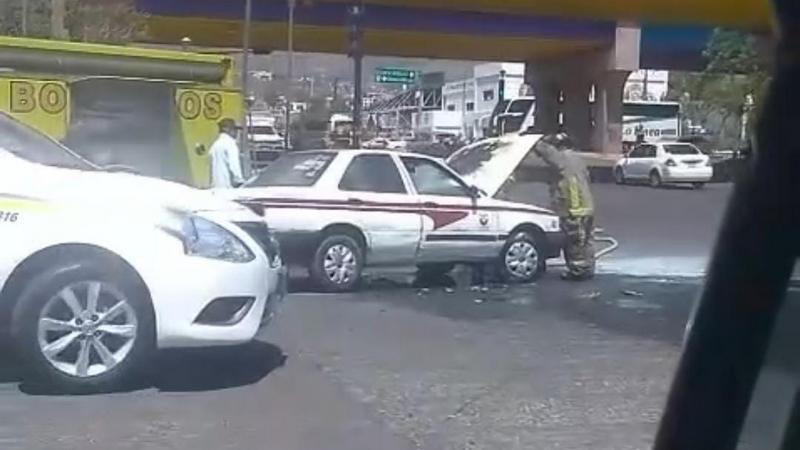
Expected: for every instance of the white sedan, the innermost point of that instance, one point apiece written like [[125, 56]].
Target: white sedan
[[100, 269], [336, 212], [664, 162]]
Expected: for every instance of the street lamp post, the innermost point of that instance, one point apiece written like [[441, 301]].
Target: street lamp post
[[356, 51], [289, 74]]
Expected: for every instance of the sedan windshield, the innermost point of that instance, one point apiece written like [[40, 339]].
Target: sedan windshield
[[298, 170], [29, 145], [262, 130]]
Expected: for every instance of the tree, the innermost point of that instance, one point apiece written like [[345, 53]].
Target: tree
[[85, 20], [105, 20], [732, 83], [36, 22]]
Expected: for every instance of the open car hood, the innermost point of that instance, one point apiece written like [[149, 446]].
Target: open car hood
[[490, 162]]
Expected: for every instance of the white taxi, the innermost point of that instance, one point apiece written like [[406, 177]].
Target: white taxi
[[99, 269], [336, 212]]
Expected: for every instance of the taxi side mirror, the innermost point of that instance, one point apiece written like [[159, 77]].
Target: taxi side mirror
[[476, 192]]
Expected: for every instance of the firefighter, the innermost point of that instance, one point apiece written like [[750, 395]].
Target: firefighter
[[572, 201]]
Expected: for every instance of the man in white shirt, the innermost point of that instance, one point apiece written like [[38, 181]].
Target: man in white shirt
[[226, 168]]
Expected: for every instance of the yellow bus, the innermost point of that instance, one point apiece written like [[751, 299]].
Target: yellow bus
[[151, 110]]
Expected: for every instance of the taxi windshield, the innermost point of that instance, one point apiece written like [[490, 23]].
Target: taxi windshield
[[297, 170], [28, 144]]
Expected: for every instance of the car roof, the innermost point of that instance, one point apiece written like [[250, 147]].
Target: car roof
[[361, 151], [674, 143]]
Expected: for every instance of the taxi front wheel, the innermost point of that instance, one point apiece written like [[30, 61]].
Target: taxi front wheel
[[338, 263], [84, 327], [522, 260]]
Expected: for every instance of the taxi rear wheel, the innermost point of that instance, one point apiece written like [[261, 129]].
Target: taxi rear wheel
[[82, 327], [338, 263], [522, 260], [655, 179]]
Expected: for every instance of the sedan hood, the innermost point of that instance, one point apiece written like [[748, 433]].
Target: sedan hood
[[489, 163], [104, 189]]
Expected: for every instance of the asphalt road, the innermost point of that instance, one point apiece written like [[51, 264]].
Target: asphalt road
[[667, 231], [397, 366]]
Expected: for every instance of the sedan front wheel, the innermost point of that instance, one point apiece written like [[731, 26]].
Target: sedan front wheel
[[522, 260], [84, 328]]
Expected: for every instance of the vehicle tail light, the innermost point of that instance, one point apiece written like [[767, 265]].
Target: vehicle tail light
[[671, 163]]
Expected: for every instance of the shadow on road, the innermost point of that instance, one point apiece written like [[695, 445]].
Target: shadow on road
[[184, 370], [299, 282], [211, 369]]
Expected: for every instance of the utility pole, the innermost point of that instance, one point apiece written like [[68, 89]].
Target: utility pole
[[420, 96], [464, 106], [244, 137], [356, 51], [501, 87], [58, 14], [25, 17], [289, 75]]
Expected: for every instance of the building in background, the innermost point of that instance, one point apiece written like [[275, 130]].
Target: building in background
[[465, 107], [473, 99]]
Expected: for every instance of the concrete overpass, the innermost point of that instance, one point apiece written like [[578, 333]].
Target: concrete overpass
[[572, 47]]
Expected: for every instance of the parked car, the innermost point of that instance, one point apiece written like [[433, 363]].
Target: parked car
[[662, 163], [336, 212], [396, 144], [100, 269], [377, 143]]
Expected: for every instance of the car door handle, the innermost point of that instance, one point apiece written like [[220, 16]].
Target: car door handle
[[355, 201], [430, 204]]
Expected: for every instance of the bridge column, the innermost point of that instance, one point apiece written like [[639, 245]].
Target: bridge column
[[548, 107], [606, 132], [582, 94]]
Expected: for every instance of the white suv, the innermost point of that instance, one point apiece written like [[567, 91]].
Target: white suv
[[664, 162], [99, 269]]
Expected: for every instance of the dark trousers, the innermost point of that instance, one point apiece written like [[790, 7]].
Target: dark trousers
[[579, 248]]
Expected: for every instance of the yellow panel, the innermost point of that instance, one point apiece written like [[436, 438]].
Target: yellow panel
[[741, 13], [108, 50], [272, 36], [199, 111], [42, 104]]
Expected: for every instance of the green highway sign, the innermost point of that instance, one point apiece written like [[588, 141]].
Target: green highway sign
[[396, 75]]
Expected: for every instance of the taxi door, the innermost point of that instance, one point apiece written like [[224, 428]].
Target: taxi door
[[379, 202], [455, 226]]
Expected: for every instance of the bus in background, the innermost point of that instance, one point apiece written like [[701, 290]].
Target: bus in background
[[150, 111], [651, 120]]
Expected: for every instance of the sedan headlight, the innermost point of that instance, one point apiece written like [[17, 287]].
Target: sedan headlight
[[203, 238]]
